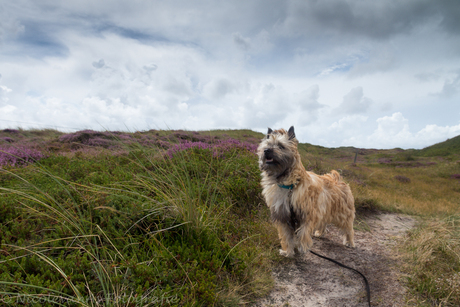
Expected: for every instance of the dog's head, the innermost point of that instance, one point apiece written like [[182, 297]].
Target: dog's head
[[277, 151]]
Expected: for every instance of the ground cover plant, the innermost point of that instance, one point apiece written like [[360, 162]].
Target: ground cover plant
[[175, 218], [128, 224]]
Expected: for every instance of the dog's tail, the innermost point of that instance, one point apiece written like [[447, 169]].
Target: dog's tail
[[335, 176]]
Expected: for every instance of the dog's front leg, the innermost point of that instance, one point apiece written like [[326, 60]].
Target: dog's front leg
[[286, 235], [305, 240]]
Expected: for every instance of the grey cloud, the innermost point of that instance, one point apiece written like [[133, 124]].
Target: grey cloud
[[308, 104], [241, 42], [381, 59], [149, 68], [385, 107], [9, 27], [309, 98], [451, 87], [217, 89], [270, 106], [354, 102], [373, 19], [427, 76], [99, 64], [450, 12], [37, 37], [177, 87]]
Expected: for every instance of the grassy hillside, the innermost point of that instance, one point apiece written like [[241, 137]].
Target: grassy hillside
[[446, 148], [175, 218]]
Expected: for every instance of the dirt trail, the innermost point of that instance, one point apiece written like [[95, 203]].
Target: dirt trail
[[308, 280]]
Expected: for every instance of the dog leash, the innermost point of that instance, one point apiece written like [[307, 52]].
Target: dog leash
[[368, 290]]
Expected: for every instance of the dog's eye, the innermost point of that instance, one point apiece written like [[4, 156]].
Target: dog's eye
[[281, 146]]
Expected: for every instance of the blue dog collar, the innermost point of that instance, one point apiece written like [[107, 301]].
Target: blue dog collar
[[289, 187]]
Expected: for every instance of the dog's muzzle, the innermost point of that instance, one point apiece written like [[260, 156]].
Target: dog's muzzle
[[268, 154]]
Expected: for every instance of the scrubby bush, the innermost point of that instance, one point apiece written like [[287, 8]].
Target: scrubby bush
[[16, 156], [134, 229]]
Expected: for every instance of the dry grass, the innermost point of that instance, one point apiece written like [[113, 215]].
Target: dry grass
[[431, 255], [426, 194], [428, 188]]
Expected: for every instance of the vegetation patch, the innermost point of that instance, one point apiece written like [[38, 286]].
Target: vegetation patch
[[17, 156], [432, 255], [137, 229], [175, 218]]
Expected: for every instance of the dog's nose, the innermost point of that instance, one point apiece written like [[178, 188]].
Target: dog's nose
[[268, 150]]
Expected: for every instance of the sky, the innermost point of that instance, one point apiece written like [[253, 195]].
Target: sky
[[369, 74]]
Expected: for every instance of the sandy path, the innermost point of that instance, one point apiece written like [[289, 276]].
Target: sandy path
[[308, 280]]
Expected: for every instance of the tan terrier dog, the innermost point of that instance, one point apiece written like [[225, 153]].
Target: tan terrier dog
[[301, 202]]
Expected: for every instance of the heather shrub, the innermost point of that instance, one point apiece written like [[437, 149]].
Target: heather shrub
[[7, 139], [96, 138], [97, 229], [16, 156], [219, 148]]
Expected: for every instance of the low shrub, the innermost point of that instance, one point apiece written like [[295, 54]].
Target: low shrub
[[134, 230], [17, 156]]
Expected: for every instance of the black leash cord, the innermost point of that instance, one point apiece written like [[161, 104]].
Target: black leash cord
[[368, 290]]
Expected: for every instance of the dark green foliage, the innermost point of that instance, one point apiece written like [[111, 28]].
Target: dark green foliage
[[98, 226]]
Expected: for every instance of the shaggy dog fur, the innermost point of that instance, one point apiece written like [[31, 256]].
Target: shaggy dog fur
[[301, 202]]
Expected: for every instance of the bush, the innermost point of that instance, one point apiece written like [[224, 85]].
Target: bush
[[16, 156], [105, 228]]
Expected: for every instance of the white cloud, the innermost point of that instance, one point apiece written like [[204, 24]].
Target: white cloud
[[351, 121], [432, 134], [394, 131], [7, 110], [3, 94]]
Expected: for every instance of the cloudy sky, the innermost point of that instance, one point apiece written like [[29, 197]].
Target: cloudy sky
[[372, 74]]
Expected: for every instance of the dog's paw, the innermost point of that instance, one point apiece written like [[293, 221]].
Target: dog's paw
[[348, 244], [286, 254], [318, 233], [302, 250]]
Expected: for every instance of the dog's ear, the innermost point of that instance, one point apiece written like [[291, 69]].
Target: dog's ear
[[269, 132], [291, 133]]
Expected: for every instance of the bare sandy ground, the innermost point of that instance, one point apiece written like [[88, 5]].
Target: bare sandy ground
[[307, 280]]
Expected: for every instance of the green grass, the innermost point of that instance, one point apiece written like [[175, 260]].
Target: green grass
[[134, 230], [109, 219], [445, 148]]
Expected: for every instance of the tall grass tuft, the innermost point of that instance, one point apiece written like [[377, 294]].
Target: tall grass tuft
[[138, 229], [432, 255]]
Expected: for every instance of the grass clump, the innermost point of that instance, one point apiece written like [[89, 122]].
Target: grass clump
[[432, 255], [143, 228]]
